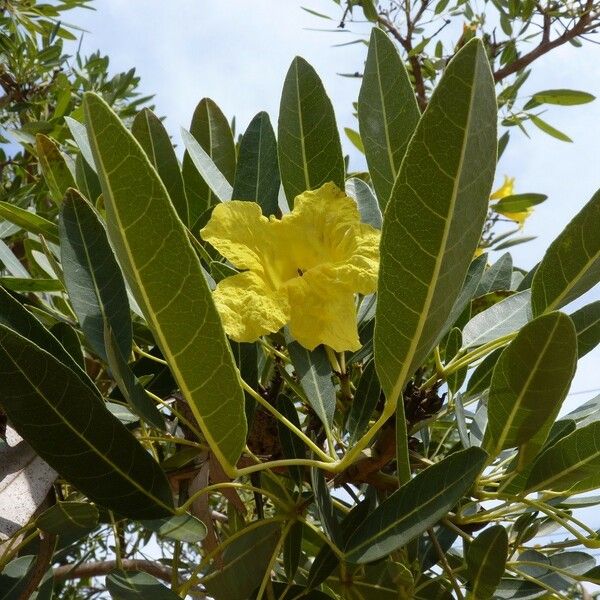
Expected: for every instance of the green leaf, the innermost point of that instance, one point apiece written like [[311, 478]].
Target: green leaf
[[366, 397], [219, 188], [547, 128], [81, 440], [587, 326], [133, 391], [572, 464], [28, 284], [79, 133], [184, 528], [571, 265], [10, 262], [149, 131], [69, 339], [415, 507], [518, 202], [314, 372], [563, 97], [211, 130], [530, 381], [87, 180], [486, 560], [149, 240], [482, 375], [16, 317], [133, 585], [368, 207], [29, 221], [355, 138], [310, 153], [498, 320], [291, 444], [325, 510], [434, 217], [70, 518], [387, 113], [244, 563], [257, 174], [93, 277], [292, 550], [54, 167], [497, 277]]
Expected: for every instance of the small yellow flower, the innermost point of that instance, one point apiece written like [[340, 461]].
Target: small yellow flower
[[507, 189], [302, 270]]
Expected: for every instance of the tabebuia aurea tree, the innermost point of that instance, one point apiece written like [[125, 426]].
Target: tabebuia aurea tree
[[254, 377]]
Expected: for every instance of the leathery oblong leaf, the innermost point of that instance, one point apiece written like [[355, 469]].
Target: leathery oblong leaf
[[167, 281], [434, 217]]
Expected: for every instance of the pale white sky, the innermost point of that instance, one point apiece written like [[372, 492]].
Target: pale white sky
[[237, 52]]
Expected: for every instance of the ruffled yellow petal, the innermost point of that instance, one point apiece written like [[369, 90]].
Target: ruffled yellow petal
[[322, 312], [506, 189], [248, 308], [238, 230]]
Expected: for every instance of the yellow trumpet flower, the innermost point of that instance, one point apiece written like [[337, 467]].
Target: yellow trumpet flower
[[302, 270]]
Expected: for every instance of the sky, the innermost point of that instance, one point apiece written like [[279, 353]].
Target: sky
[[238, 52]]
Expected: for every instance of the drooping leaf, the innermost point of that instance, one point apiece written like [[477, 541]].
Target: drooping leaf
[[549, 129], [563, 97], [29, 221], [434, 218], [518, 202], [184, 528], [210, 129], [587, 326], [308, 144], [291, 444], [133, 585], [486, 561], [367, 203], [530, 381], [79, 133], [244, 563], [81, 439], [54, 167], [149, 131], [571, 265], [149, 239], [92, 275], [572, 464], [498, 320], [415, 507], [28, 284], [292, 550], [325, 510], [387, 113], [68, 518], [257, 173]]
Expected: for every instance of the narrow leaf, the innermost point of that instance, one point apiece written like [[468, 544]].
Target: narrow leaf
[[587, 326], [149, 131], [92, 276], [415, 507], [387, 112], [310, 153], [368, 207], [54, 167], [257, 173], [29, 221], [210, 129]]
